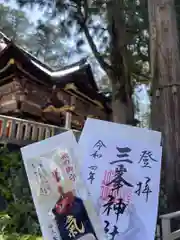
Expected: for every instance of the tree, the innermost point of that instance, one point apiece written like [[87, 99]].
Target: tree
[[113, 31], [104, 84], [47, 44], [14, 188], [165, 64], [42, 40], [15, 24]]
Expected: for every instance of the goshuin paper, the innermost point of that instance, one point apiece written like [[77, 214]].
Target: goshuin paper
[[121, 167], [62, 203]]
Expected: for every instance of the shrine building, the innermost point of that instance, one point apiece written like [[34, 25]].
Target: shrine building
[[37, 102]]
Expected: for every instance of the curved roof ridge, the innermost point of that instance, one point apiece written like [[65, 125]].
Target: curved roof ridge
[[61, 72], [46, 69], [38, 62]]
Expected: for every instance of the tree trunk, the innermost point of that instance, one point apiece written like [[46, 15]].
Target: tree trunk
[[117, 70], [165, 65], [122, 103]]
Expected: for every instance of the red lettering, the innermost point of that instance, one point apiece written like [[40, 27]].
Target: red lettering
[[64, 156], [69, 169], [108, 176], [104, 192], [103, 181], [56, 175], [123, 193]]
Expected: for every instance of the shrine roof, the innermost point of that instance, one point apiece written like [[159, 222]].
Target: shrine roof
[[8, 49], [80, 73]]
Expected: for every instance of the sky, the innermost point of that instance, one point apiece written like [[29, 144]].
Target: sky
[[35, 14], [36, 11]]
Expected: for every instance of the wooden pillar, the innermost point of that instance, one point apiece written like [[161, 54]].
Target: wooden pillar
[[73, 100], [68, 120]]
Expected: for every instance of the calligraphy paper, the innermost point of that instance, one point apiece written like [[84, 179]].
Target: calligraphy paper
[[121, 167], [62, 202]]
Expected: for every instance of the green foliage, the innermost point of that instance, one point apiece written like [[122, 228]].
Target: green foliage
[[20, 215], [43, 40], [19, 237]]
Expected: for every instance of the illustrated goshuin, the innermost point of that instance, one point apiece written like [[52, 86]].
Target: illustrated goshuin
[[72, 219]]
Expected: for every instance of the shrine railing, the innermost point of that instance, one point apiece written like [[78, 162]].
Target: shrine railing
[[22, 132], [167, 234]]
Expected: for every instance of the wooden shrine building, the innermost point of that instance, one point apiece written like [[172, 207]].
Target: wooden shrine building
[[34, 93]]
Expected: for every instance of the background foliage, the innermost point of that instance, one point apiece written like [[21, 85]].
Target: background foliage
[[19, 215]]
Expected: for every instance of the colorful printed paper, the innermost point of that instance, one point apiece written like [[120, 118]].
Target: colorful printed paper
[[121, 166], [63, 205]]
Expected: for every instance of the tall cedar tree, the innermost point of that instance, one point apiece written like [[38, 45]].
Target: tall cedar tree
[[165, 62]]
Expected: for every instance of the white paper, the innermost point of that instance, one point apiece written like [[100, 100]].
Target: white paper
[[100, 147], [29, 153], [103, 128], [47, 171]]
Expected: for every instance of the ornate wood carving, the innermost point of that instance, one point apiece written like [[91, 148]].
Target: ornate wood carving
[[85, 109], [25, 95]]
